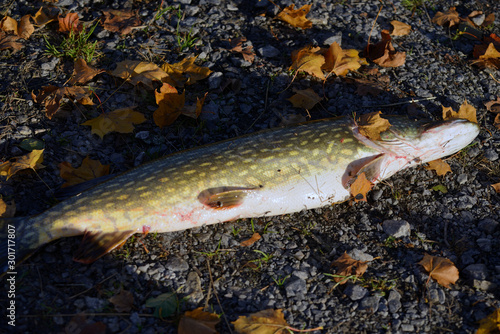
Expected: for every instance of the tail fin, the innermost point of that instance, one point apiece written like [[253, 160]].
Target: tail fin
[[18, 241]]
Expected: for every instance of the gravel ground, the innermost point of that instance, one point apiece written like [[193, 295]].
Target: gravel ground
[[395, 295]]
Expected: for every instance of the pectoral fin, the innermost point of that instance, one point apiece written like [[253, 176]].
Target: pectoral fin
[[224, 197], [371, 166], [94, 245]]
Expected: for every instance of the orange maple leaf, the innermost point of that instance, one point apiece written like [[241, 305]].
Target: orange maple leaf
[[139, 71], [448, 18], [347, 266], [122, 21], [439, 166], [70, 23], [360, 187], [296, 17], [400, 28], [308, 60], [32, 160], [371, 125], [440, 269], [466, 111], [255, 237], [341, 61], [83, 72], [305, 98], [487, 57], [170, 104], [88, 170], [383, 53], [52, 96], [119, 120]]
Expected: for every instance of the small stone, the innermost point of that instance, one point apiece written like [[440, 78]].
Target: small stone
[[334, 38], [296, 286], [462, 178], [491, 155], [299, 255], [142, 135], [268, 51], [24, 130], [95, 304], [177, 264], [394, 301], [484, 285], [135, 319], [484, 244], [488, 225], [370, 303], [193, 288], [300, 274], [397, 228], [407, 328], [215, 80], [355, 292], [359, 255], [478, 19], [477, 271]]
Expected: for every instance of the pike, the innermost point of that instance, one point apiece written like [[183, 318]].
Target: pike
[[268, 173]]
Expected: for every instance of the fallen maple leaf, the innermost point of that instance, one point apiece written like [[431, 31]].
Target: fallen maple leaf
[[439, 166], [440, 269], [400, 28], [9, 25], [70, 23], [347, 266], [170, 104], [198, 321], [9, 42], [360, 187], [32, 160], [372, 124], [383, 53], [487, 57], [264, 322], [139, 71], [40, 18], [88, 170], [255, 237], [341, 61], [490, 324], [493, 106], [186, 72], [466, 111], [7, 210], [23, 29], [448, 18], [123, 301], [308, 60], [122, 21], [83, 73], [305, 98], [119, 120], [496, 186], [52, 96], [80, 324], [296, 17], [237, 46]]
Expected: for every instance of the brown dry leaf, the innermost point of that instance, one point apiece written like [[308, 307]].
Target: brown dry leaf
[[119, 120], [7, 210], [305, 98], [264, 322], [79, 324], [88, 170], [186, 72], [487, 57], [447, 19], [440, 269], [9, 25], [347, 266], [32, 160], [139, 71], [195, 110], [360, 187], [52, 95], [123, 301], [122, 21], [40, 18], [170, 105], [296, 17], [496, 186], [255, 237], [496, 122], [308, 60], [372, 124], [25, 28], [439, 166], [466, 111], [400, 28], [9, 41], [341, 61], [83, 73], [490, 324], [198, 321], [493, 106], [237, 46], [69, 23], [384, 54]]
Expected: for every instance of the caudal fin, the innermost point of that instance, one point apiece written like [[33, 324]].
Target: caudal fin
[[17, 242]]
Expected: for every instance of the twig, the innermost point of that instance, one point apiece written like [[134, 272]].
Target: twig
[[217, 297], [73, 314], [81, 293], [371, 30], [402, 103]]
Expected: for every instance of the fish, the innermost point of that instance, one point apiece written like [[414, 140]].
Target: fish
[[267, 173]]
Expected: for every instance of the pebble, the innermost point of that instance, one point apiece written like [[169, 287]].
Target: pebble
[[397, 228], [268, 51], [175, 263], [334, 38], [370, 303], [355, 292], [491, 155], [484, 244], [394, 301], [296, 286], [462, 178], [477, 271], [488, 225], [359, 255], [484, 285]]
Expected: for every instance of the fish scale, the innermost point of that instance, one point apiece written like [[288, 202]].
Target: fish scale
[[271, 172]]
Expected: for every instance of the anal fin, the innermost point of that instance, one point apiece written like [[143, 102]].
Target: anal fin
[[96, 244], [224, 197]]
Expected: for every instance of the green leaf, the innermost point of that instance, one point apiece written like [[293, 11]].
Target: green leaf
[[30, 144], [440, 188], [165, 304]]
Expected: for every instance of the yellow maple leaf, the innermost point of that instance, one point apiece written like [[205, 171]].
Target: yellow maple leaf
[[308, 60], [186, 72], [119, 120], [265, 322], [32, 160], [88, 170], [439, 166], [198, 321], [139, 71], [296, 17], [490, 324], [400, 28], [371, 125], [341, 61], [466, 111], [170, 104], [7, 210], [305, 98]]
